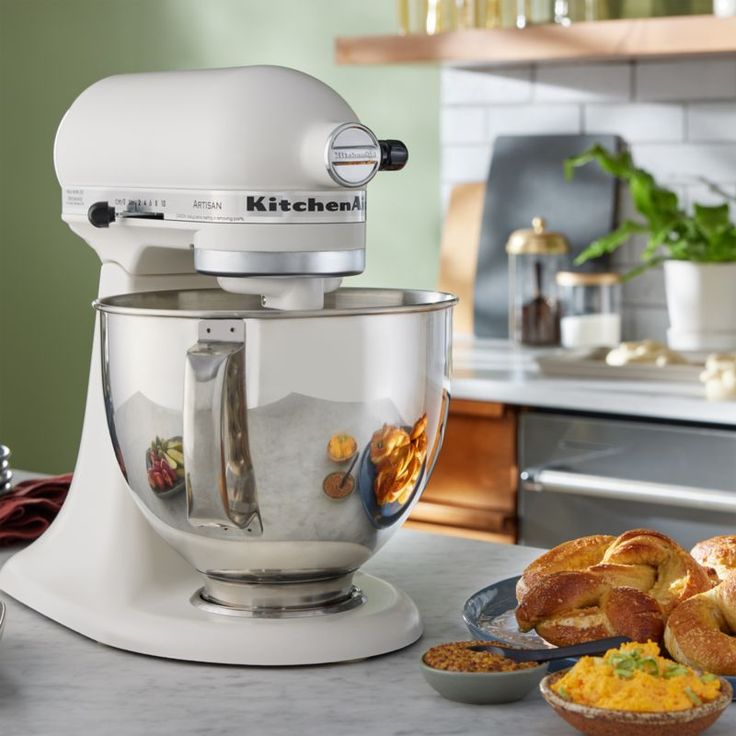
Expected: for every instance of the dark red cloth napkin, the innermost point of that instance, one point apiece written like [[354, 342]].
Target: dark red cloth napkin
[[28, 508]]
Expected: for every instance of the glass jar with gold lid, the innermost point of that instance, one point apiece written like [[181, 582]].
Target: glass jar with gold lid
[[535, 256], [590, 309]]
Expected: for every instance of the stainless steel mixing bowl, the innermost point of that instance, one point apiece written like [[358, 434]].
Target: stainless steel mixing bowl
[[276, 451]]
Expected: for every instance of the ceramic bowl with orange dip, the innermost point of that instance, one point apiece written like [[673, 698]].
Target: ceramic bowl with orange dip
[[633, 691]]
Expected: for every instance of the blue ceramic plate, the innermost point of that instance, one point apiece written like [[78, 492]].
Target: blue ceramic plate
[[390, 513], [489, 614]]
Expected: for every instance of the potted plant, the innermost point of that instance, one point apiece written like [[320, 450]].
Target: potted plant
[[698, 251]]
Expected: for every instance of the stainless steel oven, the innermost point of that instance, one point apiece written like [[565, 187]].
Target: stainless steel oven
[[585, 475]]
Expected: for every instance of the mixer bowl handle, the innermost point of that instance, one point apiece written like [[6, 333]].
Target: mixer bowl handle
[[220, 482]]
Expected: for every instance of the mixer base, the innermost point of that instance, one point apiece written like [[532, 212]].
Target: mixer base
[[168, 625]]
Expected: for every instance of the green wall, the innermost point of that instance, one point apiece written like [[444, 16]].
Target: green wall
[[50, 50]]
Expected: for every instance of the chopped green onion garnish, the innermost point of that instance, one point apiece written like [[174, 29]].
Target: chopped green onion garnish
[[649, 665], [674, 670], [708, 677], [693, 696], [625, 673], [563, 693]]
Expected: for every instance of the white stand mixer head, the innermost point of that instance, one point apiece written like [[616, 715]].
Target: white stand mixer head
[[260, 171]]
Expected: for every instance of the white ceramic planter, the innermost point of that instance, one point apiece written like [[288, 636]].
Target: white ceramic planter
[[701, 302]]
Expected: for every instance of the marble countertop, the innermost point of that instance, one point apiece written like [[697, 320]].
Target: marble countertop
[[492, 370], [53, 681]]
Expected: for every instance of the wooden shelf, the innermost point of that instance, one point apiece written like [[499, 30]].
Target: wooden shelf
[[693, 35]]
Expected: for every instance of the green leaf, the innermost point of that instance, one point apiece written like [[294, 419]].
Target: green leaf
[[611, 242], [711, 218], [706, 236], [619, 165]]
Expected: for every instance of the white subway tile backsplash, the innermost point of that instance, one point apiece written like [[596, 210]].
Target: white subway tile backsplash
[[463, 125], [479, 86], [583, 83], [636, 122], [694, 79], [465, 163], [679, 118], [685, 162], [533, 119], [712, 122], [710, 195]]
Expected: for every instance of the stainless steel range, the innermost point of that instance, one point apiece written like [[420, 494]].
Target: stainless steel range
[[585, 475]]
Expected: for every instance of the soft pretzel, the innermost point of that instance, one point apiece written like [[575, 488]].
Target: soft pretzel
[[632, 585], [701, 631], [717, 554]]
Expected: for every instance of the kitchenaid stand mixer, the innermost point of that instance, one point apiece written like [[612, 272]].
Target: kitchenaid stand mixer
[[251, 178]]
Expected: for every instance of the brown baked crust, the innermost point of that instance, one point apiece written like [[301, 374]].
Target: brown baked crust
[[630, 589], [564, 608], [560, 592], [574, 607], [677, 576], [701, 631], [718, 554], [634, 614], [577, 554]]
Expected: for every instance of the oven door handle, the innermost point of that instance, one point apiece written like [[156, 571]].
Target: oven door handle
[[620, 489]]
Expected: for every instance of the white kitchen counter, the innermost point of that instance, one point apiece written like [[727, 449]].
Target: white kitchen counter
[[53, 681], [493, 370]]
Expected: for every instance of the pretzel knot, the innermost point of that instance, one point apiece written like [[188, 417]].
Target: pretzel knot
[[595, 587], [701, 631]]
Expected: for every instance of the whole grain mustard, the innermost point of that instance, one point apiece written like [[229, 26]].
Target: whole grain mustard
[[636, 678]]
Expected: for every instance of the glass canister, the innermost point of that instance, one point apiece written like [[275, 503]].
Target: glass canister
[[590, 309], [535, 256]]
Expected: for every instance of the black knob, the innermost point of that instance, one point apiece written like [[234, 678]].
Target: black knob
[[394, 155], [100, 214]]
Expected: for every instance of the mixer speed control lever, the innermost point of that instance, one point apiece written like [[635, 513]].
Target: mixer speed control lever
[[100, 214]]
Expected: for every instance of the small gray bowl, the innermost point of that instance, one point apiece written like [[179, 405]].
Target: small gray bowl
[[484, 688]]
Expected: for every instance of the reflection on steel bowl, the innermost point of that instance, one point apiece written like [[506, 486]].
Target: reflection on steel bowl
[[165, 466], [398, 455]]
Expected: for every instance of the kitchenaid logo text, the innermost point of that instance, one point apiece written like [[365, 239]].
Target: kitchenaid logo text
[[310, 204], [368, 155]]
